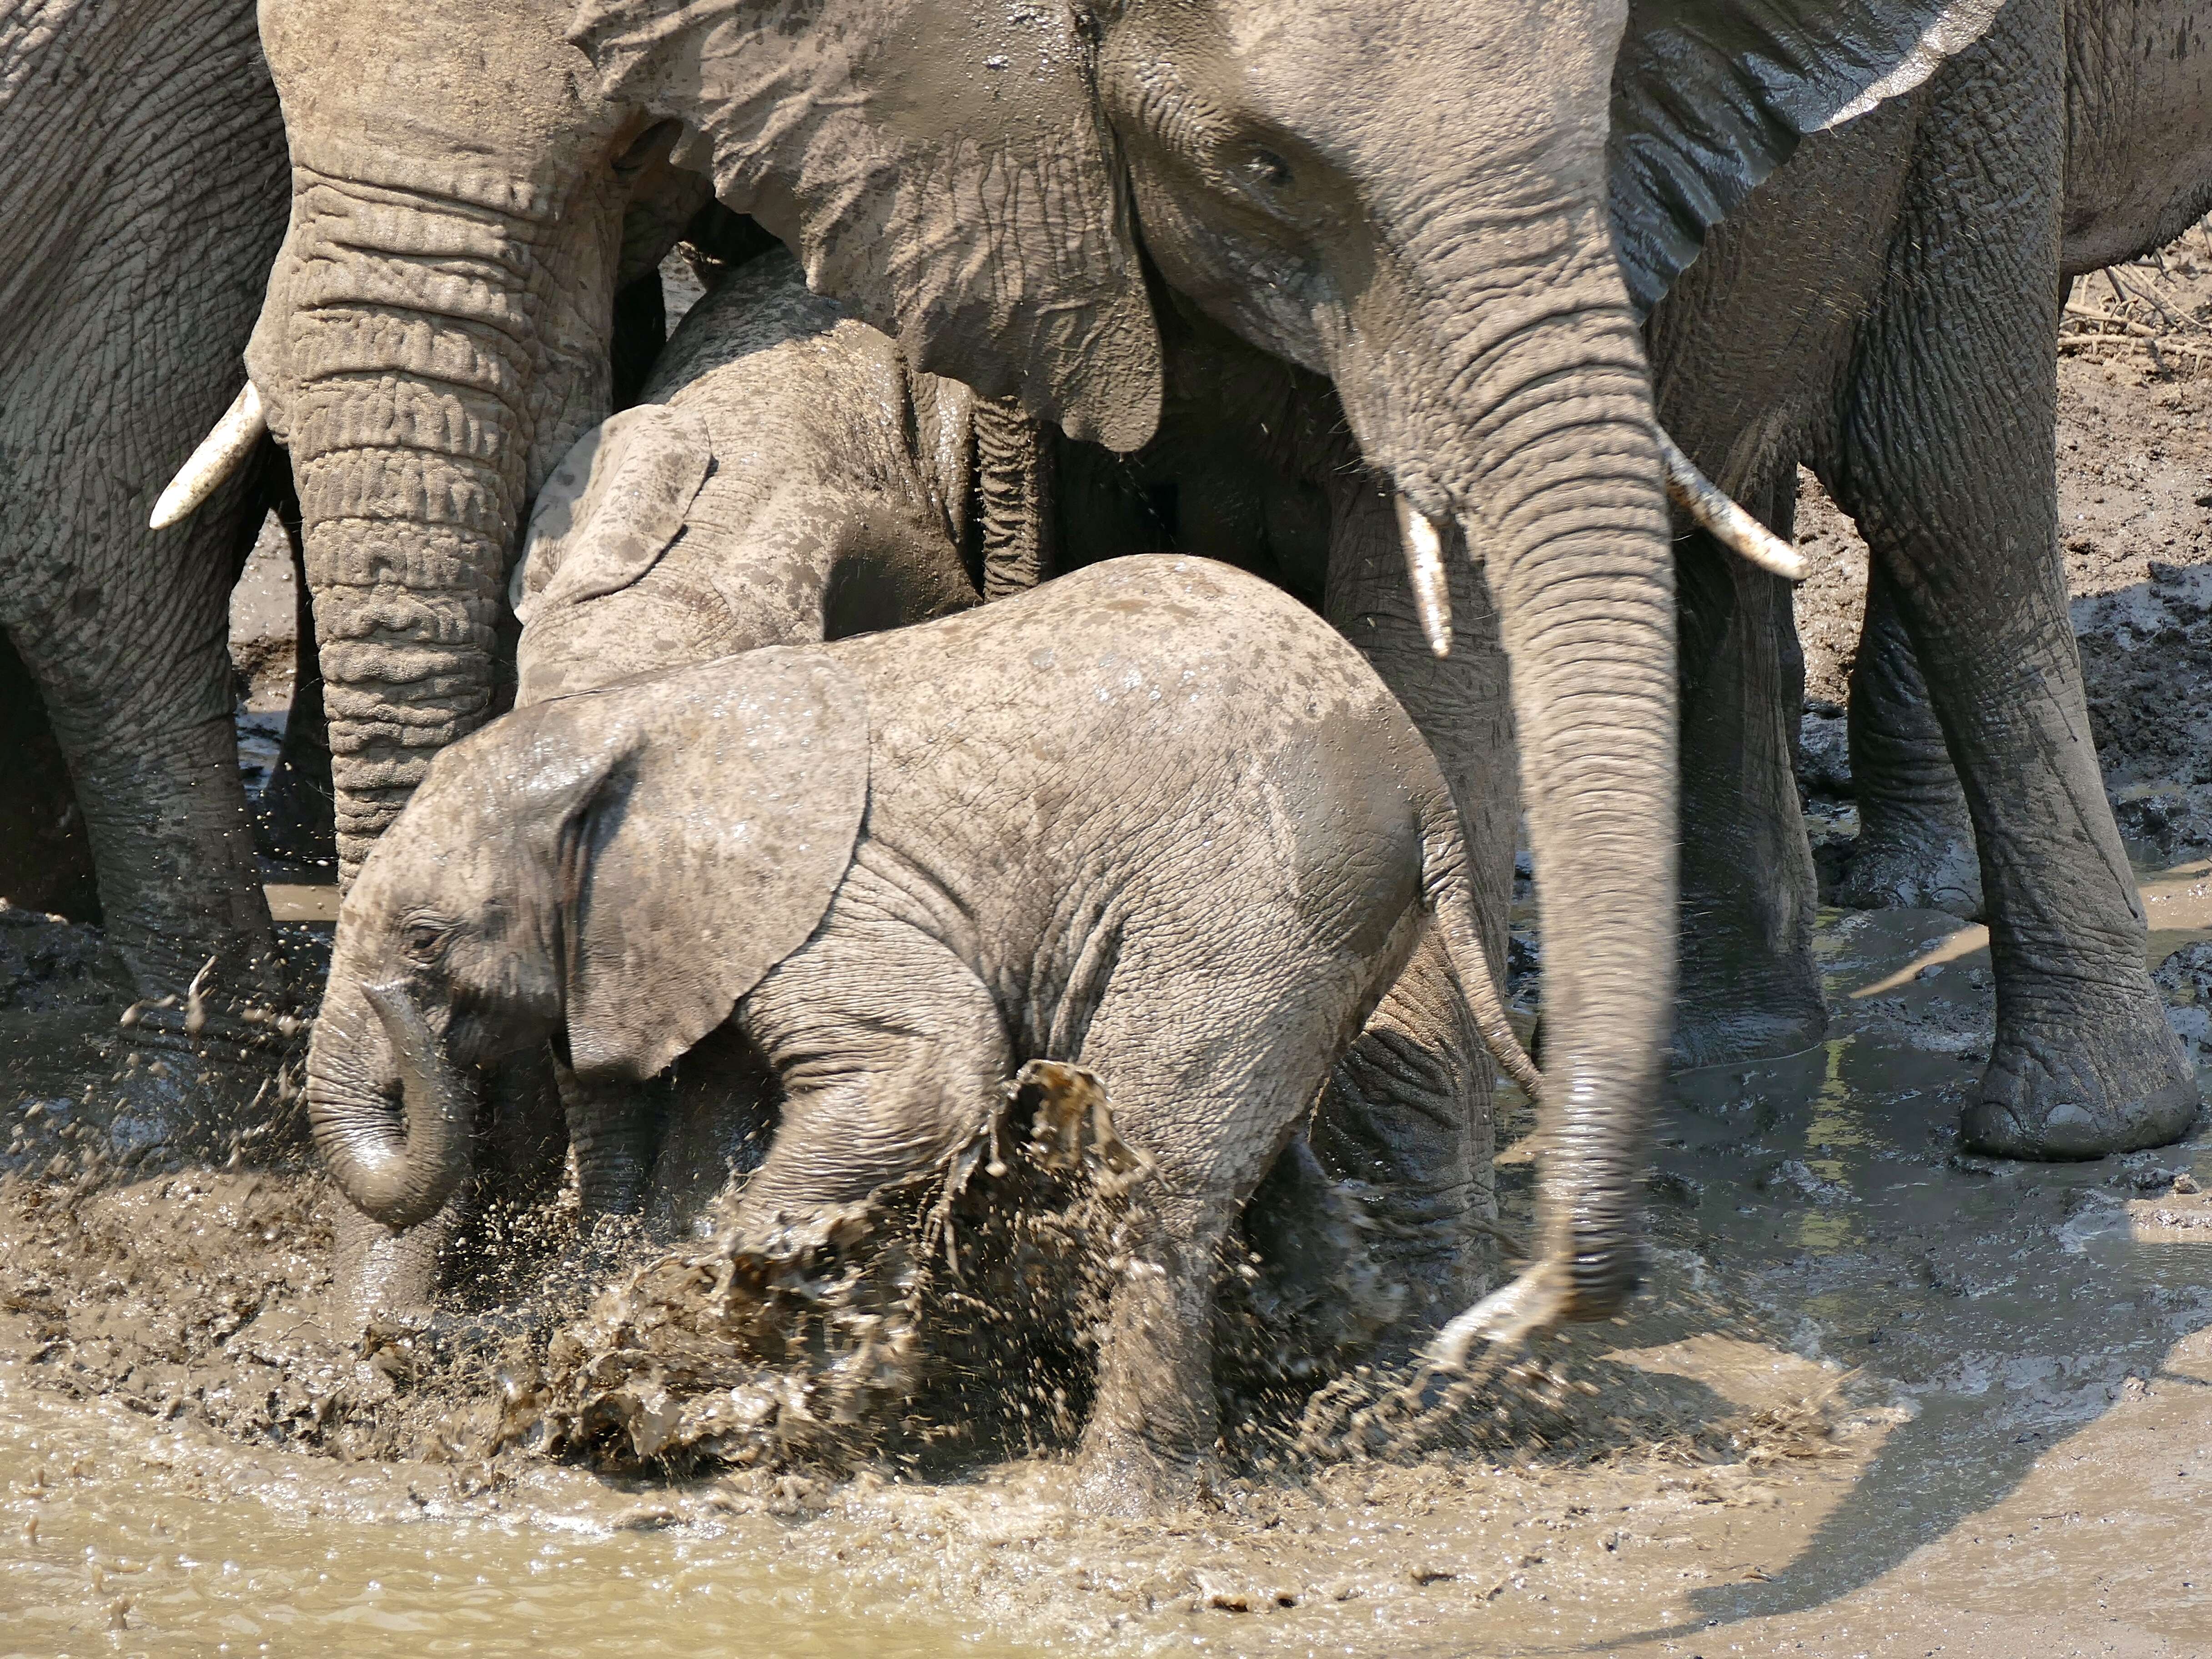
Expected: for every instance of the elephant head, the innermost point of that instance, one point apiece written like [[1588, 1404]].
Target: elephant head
[[613, 871], [1457, 213]]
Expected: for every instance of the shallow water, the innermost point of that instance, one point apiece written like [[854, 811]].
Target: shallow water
[[1883, 1398]]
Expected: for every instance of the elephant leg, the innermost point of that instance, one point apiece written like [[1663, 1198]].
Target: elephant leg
[[1947, 462], [1915, 841], [615, 1129], [1749, 986], [296, 821], [45, 862], [1155, 1418], [890, 1054], [387, 1276], [1408, 1116], [136, 677]]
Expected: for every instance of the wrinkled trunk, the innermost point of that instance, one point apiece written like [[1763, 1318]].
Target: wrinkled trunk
[[1534, 428], [398, 354], [392, 1118]]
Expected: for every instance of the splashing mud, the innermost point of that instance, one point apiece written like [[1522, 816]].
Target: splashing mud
[[1877, 1386]]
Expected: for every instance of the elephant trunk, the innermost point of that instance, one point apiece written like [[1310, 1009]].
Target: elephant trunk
[[398, 1168], [398, 356], [1535, 431]]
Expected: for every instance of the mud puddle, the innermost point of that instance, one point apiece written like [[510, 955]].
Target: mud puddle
[[1882, 1398]]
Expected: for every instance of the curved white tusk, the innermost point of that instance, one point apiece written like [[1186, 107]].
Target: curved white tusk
[[1425, 568], [1723, 519], [219, 455]]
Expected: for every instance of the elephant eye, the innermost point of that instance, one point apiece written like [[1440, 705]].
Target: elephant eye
[[422, 941], [1268, 170]]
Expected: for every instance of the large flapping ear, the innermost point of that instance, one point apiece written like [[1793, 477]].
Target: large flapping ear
[[1710, 96], [712, 849], [942, 167], [611, 506]]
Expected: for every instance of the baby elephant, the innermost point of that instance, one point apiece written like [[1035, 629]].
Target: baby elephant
[[1154, 818]]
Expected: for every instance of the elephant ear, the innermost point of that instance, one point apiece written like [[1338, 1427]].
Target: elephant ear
[[710, 849], [1710, 96], [943, 168], [612, 506]]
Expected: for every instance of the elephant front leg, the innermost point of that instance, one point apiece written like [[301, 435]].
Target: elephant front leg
[[139, 697], [891, 1054], [1916, 840], [1948, 463], [1154, 1418], [1749, 985], [1408, 1115]]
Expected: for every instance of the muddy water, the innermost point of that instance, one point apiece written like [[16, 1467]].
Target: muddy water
[[1883, 1398]]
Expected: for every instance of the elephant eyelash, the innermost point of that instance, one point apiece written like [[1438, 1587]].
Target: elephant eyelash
[[1267, 169]]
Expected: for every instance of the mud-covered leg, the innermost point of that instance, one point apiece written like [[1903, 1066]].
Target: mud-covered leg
[[890, 1054], [1408, 1116], [1749, 985], [1948, 465], [1154, 1420], [1915, 841]]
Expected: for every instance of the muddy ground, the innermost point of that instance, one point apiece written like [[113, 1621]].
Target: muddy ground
[[1880, 1397]]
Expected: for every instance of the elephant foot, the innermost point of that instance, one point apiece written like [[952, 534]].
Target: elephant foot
[[1120, 1475], [1913, 861], [2114, 1083]]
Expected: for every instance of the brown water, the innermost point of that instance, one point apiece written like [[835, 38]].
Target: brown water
[[1883, 1399]]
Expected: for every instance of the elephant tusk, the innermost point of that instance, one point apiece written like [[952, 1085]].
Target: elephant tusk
[[218, 456], [1425, 568], [1723, 519]]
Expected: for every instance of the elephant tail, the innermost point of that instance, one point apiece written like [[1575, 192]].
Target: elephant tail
[[1450, 905]]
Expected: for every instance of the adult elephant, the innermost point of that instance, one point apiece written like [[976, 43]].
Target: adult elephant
[[1410, 201], [1885, 309], [142, 167]]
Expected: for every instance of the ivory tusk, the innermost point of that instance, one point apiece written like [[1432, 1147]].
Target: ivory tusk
[[219, 455], [1723, 519], [1425, 568]]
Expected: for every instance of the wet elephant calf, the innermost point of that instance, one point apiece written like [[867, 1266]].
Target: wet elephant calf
[[1062, 827]]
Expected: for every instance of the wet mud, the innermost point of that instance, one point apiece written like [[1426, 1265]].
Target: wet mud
[[1875, 1385]]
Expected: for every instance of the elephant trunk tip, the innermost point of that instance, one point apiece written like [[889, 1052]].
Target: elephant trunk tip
[[405, 1180]]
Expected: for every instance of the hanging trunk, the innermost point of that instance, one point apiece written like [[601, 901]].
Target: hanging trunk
[[372, 1052], [1535, 429], [397, 355]]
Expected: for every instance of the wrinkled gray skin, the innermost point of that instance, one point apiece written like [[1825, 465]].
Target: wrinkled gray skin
[[1885, 309], [837, 492], [1410, 202], [139, 141], [819, 487], [1061, 826]]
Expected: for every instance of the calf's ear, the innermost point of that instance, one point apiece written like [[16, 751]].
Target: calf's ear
[[1710, 96], [612, 506], [708, 852]]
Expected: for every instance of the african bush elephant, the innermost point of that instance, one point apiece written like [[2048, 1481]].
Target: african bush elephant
[[783, 480], [1885, 308], [142, 165], [1057, 827], [1414, 203]]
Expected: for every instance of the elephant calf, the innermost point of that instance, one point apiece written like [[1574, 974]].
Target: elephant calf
[[787, 479], [1154, 818]]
